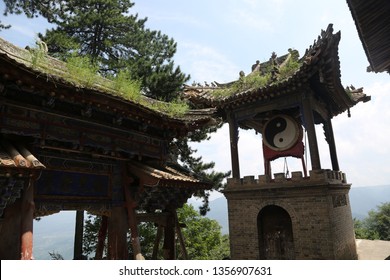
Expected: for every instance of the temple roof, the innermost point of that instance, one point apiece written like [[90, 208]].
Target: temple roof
[[17, 156], [318, 69], [165, 184], [372, 21], [51, 77]]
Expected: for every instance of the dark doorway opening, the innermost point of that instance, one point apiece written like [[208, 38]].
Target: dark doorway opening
[[275, 234]]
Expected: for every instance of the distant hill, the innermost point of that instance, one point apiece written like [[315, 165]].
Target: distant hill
[[56, 232], [364, 199]]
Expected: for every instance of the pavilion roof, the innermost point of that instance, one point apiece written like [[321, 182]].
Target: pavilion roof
[[318, 69], [165, 184]]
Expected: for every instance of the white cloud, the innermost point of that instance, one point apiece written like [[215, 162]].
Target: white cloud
[[23, 31], [251, 15], [205, 63], [363, 139]]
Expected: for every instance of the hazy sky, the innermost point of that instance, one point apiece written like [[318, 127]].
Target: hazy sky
[[219, 38]]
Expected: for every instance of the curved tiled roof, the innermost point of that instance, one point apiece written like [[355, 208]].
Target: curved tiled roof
[[372, 21], [318, 68], [17, 156], [54, 74]]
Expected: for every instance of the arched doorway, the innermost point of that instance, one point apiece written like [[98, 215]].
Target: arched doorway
[[275, 234]]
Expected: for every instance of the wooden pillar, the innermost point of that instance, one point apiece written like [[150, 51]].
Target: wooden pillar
[[160, 229], [311, 132], [78, 236], [102, 234], [328, 129], [181, 238], [169, 248], [117, 234], [233, 130], [27, 218], [132, 220]]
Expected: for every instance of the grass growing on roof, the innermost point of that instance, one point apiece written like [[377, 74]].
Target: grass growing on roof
[[177, 107], [289, 68], [79, 71], [255, 80], [82, 71], [261, 79], [38, 54], [129, 88]]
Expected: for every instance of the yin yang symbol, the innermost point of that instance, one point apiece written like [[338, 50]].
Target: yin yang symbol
[[280, 133]]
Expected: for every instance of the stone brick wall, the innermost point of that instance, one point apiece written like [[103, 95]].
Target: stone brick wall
[[319, 210]]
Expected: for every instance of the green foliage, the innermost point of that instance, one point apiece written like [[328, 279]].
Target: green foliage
[[55, 256], [289, 68], [90, 236], [259, 79], [254, 80], [174, 108], [4, 26], [82, 71], [376, 225], [362, 232], [129, 88], [181, 151], [202, 236], [38, 54]]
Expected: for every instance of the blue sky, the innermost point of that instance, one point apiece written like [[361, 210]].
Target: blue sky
[[219, 38]]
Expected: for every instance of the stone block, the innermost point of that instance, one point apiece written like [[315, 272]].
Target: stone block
[[233, 181], [264, 179], [280, 177], [296, 176], [249, 180], [318, 175]]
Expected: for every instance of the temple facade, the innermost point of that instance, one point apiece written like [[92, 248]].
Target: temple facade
[[68, 143]]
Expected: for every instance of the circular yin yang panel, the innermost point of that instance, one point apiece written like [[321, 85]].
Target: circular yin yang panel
[[280, 133]]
